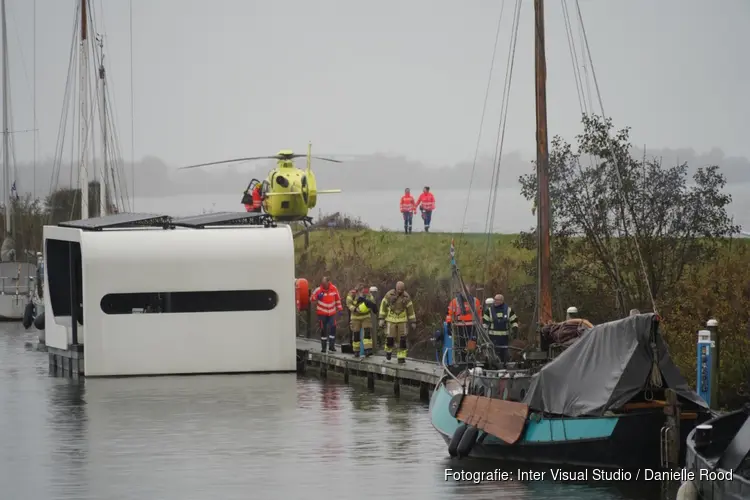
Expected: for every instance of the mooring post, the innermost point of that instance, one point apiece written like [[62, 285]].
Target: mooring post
[[424, 392], [309, 318], [671, 433]]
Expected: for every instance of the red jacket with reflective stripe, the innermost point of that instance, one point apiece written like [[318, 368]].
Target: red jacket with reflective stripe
[[455, 316], [327, 301], [257, 199], [427, 200], [407, 204]]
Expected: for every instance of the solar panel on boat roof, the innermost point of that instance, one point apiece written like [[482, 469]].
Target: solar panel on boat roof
[[117, 220], [217, 219]]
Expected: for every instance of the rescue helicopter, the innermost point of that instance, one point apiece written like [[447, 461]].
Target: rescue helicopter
[[287, 194]]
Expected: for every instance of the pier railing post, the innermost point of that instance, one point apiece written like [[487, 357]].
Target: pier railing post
[[309, 318]]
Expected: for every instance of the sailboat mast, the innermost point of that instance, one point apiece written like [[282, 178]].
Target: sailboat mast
[[6, 133], [544, 289], [83, 178], [103, 118]]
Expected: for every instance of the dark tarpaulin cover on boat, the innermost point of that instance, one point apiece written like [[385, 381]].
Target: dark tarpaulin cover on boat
[[604, 369]]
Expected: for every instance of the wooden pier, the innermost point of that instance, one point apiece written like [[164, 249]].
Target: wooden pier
[[415, 377]]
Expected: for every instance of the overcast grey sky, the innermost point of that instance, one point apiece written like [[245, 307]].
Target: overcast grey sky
[[239, 77]]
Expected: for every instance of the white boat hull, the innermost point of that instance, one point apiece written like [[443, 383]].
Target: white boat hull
[[12, 306]]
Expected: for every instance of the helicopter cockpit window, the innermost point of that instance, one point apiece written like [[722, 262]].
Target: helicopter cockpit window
[[304, 181], [282, 181]]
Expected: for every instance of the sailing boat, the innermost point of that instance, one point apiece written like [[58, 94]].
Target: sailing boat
[[16, 278], [596, 400], [110, 171]]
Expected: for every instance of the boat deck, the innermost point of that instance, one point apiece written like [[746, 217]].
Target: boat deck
[[416, 376]]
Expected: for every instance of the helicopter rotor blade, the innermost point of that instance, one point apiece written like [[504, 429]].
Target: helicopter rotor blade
[[329, 191], [251, 158], [325, 159]]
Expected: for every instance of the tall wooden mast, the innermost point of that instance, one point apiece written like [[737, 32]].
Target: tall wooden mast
[[83, 177], [544, 289]]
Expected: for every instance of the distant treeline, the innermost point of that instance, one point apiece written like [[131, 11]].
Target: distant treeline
[[361, 173], [29, 215]]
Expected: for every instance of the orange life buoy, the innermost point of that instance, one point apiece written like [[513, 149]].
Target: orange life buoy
[[302, 291]]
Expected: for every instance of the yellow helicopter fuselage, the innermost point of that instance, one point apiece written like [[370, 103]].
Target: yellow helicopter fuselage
[[289, 192]]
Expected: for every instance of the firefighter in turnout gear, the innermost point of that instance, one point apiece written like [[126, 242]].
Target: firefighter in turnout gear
[[396, 310], [327, 305], [499, 319], [361, 304]]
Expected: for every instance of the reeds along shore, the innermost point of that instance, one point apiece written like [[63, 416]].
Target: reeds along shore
[[719, 288]]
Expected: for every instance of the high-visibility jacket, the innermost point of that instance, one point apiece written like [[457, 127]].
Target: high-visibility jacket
[[360, 309], [257, 198], [327, 300], [457, 316], [397, 308], [407, 204], [427, 201], [499, 319]]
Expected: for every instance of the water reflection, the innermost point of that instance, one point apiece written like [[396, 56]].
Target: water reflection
[[68, 424], [229, 437]]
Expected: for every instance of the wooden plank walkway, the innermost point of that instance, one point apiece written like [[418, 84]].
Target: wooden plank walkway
[[414, 375]]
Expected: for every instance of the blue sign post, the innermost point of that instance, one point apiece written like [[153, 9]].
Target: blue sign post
[[707, 364], [703, 366]]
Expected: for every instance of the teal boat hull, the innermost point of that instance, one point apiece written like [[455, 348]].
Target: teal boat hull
[[627, 441]]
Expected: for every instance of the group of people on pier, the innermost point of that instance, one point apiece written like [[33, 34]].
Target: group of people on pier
[[395, 311]]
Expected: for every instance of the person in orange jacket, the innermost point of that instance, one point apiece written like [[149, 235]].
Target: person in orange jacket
[[426, 204], [408, 208], [327, 306], [461, 317]]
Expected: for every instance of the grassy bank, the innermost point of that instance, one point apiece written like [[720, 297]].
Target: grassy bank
[[718, 288]]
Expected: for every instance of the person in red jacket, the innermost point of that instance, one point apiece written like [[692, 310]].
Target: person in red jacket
[[408, 208], [253, 198], [426, 204], [327, 305]]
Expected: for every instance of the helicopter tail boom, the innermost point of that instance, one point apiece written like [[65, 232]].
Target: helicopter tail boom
[[284, 194]]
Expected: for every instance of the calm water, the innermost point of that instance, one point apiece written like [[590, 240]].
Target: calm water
[[228, 437], [455, 209]]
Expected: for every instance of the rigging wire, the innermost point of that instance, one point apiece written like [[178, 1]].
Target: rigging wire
[[481, 121], [574, 58], [616, 163], [115, 156], [505, 103], [62, 127]]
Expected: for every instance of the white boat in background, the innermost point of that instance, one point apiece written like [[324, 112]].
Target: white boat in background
[[16, 278], [17, 284]]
